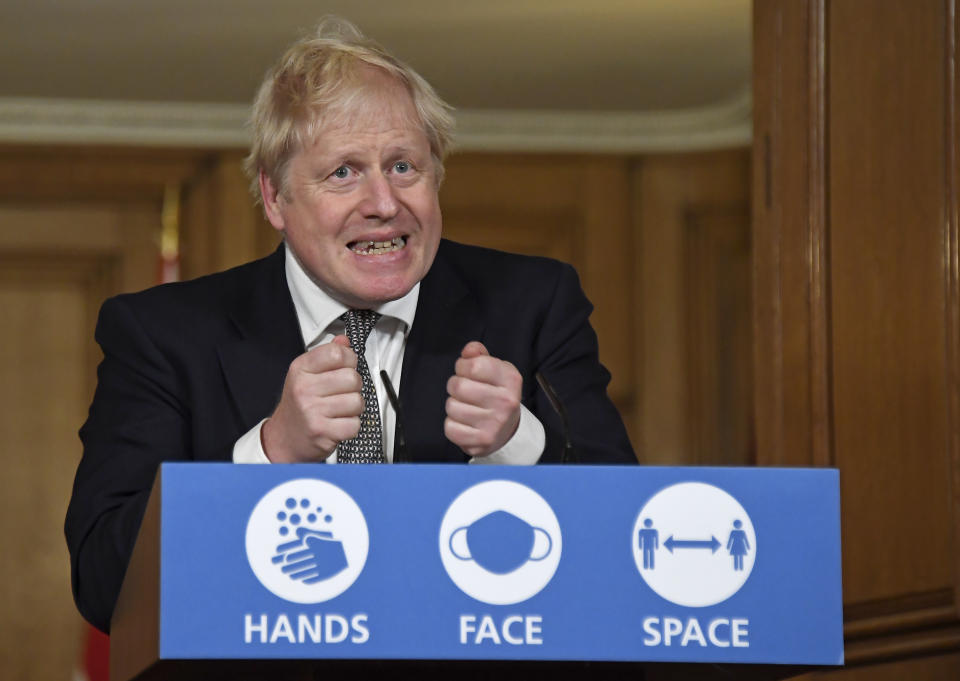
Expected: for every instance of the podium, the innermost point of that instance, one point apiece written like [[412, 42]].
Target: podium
[[303, 571]]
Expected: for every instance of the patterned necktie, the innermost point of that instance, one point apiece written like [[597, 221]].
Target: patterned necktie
[[367, 446]]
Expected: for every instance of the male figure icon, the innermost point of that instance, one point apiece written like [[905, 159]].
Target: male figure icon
[[649, 541]]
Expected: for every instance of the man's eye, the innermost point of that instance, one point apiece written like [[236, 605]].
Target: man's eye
[[401, 167], [341, 173]]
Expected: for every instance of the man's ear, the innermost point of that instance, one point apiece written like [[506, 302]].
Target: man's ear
[[271, 201]]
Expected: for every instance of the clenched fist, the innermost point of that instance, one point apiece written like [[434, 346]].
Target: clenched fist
[[483, 410], [320, 406]]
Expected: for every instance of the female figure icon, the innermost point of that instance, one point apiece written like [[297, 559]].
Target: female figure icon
[[738, 545]]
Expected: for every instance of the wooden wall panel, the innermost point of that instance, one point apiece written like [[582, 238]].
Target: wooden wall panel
[[886, 209], [76, 225], [718, 339], [692, 260], [57, 262], [42, 399], [855, 227], [222, 226], [90, 173], [789, 242]]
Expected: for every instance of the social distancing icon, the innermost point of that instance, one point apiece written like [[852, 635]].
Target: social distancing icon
[[694, 544]]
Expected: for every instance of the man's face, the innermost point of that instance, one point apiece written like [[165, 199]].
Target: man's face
[[359, 209]]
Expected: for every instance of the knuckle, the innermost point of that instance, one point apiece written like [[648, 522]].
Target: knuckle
[[453, 385], [298, 391], [356, 404], [510, 403], [467, 367], [353, 426], [350, 355], [345, 428]]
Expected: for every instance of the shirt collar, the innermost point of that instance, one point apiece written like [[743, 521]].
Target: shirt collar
[[317, 310]]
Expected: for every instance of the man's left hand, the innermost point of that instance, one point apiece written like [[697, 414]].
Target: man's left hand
[[483, 410]]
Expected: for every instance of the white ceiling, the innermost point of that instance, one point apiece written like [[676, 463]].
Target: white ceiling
[[631, 57]]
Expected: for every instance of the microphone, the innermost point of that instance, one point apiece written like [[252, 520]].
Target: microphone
[[400, 445], [568, 455]]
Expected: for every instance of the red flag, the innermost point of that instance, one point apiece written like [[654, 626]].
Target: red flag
[[96, 656]]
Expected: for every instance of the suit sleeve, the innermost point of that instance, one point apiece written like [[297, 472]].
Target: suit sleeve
[[568, 356], [136, 420]]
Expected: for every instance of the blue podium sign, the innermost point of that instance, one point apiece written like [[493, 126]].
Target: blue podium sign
[[440, 562]]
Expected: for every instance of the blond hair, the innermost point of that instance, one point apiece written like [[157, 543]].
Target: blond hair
[[322, 75]]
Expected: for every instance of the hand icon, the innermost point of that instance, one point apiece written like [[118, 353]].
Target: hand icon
[[312, 557]]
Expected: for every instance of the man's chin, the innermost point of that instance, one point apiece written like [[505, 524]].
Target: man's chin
[[371, 295]]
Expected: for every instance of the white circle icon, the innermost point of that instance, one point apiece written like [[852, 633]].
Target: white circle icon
[[694, 544], [500, 542], [307, 541]]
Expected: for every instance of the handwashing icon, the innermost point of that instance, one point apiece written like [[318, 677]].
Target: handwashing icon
[[312, 557], [500, 542]]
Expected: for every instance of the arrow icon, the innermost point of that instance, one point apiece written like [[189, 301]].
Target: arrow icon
[[711, 544]]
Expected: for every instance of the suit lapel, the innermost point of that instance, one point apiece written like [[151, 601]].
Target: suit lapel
[[447, 318], [268, 338], [255, 363]]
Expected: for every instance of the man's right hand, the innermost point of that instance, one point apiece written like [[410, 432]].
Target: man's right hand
[[320, 406]]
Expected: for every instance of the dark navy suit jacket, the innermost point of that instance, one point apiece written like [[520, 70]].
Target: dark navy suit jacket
[[190, 367]]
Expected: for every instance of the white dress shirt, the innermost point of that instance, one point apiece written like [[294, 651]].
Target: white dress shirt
[[319, 317]]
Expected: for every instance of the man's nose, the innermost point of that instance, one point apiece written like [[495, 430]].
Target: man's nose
[[379, 200]]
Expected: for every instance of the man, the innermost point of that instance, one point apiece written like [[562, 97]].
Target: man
[[279, 360]]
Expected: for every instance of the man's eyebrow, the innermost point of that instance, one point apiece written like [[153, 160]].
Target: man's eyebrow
[[407, 148]]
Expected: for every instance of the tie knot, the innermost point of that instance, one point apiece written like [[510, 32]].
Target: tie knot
[[359, 324]]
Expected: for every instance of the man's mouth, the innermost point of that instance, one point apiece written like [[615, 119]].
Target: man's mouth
[[377, 247]]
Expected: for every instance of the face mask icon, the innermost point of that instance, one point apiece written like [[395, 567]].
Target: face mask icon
[[500, 542]]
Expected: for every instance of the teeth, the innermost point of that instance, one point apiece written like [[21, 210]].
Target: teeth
[[378, 247]]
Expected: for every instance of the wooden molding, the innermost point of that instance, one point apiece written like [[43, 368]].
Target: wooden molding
[[821, 410], [899, 646], [903, 613], [791, 235], [194, 125], [951, 240], [723, 125]]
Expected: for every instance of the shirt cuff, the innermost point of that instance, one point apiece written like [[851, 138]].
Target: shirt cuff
[[525, 447], [249, 448]]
